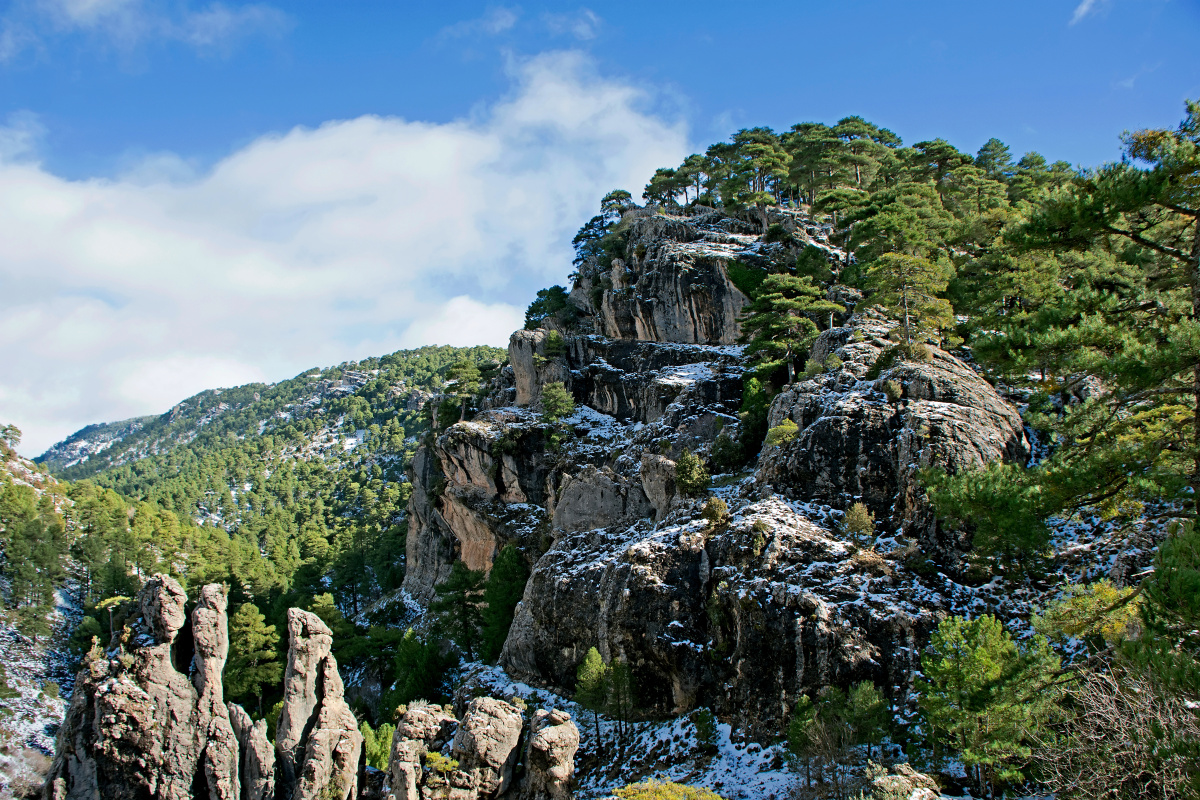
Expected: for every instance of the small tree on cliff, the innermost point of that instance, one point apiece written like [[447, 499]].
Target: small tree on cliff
[[778, 325]]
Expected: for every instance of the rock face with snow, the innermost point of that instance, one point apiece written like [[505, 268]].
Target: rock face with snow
[[745, 615], [674, 287], [138, 728], [856, 442]]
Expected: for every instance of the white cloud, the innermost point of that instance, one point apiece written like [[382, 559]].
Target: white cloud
[[305, 248], [494, 22], [126, 24], [462, 322], [1085, 8], [584, 24]]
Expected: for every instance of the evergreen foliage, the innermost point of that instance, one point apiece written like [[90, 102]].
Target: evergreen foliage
[[505, 586], [691, 478], [778, 323], [253, 660], [557, 402], [458, 607], [984, 697]]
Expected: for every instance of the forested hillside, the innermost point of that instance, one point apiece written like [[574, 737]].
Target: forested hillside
[[286, 492]]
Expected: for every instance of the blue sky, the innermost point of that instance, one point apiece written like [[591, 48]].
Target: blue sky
[[196, 194]]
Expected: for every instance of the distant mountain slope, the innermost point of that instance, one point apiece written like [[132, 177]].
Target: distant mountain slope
[[87, 442]]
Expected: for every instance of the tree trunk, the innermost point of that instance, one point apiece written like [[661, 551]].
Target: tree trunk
[[904, 297]]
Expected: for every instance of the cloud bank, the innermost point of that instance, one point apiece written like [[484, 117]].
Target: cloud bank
[[123, 296]]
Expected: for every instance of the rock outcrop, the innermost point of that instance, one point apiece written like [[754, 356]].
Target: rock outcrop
[[138, 728], [746, 615], [316, 737], [857, 442], [258, 755], [484, 748], [550, 756]]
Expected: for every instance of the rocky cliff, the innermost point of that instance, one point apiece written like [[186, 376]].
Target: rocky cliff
[[741, 614]]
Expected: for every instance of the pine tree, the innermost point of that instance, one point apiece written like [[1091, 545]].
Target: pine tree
[[253, 654], [908, 288], [557, 402], [457, 607], [995, 159], [984, 696], [778, 322], [505, 587], [591, 689]]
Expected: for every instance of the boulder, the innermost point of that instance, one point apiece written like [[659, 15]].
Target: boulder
[[904, 781], [550, 756], [745, 616], [486, 746], [595, 498], [422, 727], [856, 442]]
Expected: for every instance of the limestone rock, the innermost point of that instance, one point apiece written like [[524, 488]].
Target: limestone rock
[[210, 637], [595, 498], [257, 755], [136, 726], [906, 782], [855, 443], [658, 482], [333, 747], [746, 616], [423, 727], [486, 746], [550, 756], [674, 287], [317, 740]]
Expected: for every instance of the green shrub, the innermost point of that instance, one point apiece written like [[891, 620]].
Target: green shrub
[[812, 368], [858, 524], [556, 402], [691, 478], [778, 233], [716, 511], [658, 790], [727, 454], [782, 433], [893, 390], [833, 363], [440, 763], [377, 743], [554, 345]]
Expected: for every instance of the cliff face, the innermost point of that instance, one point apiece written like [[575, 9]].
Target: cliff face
[[742, 614]]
